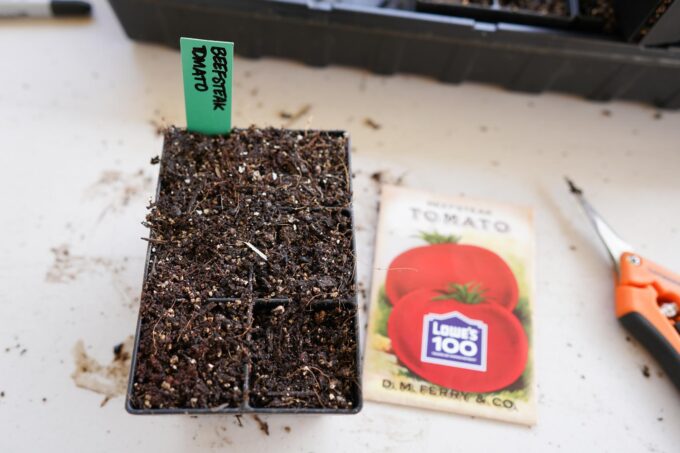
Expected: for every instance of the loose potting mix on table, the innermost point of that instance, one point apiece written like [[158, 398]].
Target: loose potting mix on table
[[249, 296], [450, 322]]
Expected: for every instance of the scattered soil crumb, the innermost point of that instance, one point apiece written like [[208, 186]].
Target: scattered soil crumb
[[362, 290], [658, 115], [384, 177], [120, 187], [645, 371], [155, 160], [2, 394], [44, 400], [572, 247], [119, 351], [293, 117], [660, 419], [220, 433], [627, 338], [109, 380], [66, 266], [264, 426], [369, 122], [23, 351], [159, 126], [483, 128], [287, 428], [606, 112]]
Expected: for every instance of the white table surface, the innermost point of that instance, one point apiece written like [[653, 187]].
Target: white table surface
[[77, 103]]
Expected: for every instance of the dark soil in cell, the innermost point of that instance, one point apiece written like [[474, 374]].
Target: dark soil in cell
[[470, 2], [241, 219], [321, 266], [190, 354], [603, 9], [313, 346], [473, 3], [553, 7], [264, 426]]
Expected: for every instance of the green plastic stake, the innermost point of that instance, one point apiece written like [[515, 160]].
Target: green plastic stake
[[207, 69]]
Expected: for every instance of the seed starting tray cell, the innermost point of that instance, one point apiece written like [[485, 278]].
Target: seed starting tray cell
[[269, 326], [559, 14]]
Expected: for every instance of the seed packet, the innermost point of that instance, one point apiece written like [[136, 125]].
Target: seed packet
[[450, 322]]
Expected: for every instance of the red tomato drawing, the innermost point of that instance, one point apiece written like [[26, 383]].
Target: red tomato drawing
[[500, 340], [437, 265]]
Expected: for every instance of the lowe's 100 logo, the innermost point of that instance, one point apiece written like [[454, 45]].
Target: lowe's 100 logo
[[453, 339]]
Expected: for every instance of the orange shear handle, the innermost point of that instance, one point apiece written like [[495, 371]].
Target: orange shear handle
[[642, 286]]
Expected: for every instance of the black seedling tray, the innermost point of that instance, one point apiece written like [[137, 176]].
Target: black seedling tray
[[257, 308], [395, 38], [650, 22], [500, 11]]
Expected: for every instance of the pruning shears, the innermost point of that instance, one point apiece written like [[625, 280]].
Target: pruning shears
[[647, 295]]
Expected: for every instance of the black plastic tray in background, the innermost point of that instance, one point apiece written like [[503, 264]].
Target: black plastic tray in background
[[257, 303], [649, 22], [495, 12], [386, 41]]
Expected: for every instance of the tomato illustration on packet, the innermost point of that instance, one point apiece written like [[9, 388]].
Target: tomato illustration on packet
[[456, 339], [452, 322], [445, 260]]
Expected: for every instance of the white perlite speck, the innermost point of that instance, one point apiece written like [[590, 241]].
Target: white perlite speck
[[256, 250]]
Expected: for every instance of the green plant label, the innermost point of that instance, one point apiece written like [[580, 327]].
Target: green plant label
[[207, 69]]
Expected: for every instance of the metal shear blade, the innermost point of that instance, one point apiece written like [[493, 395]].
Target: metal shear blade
[[612, 242]]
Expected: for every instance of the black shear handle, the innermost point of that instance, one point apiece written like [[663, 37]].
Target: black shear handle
[[657, 344]]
